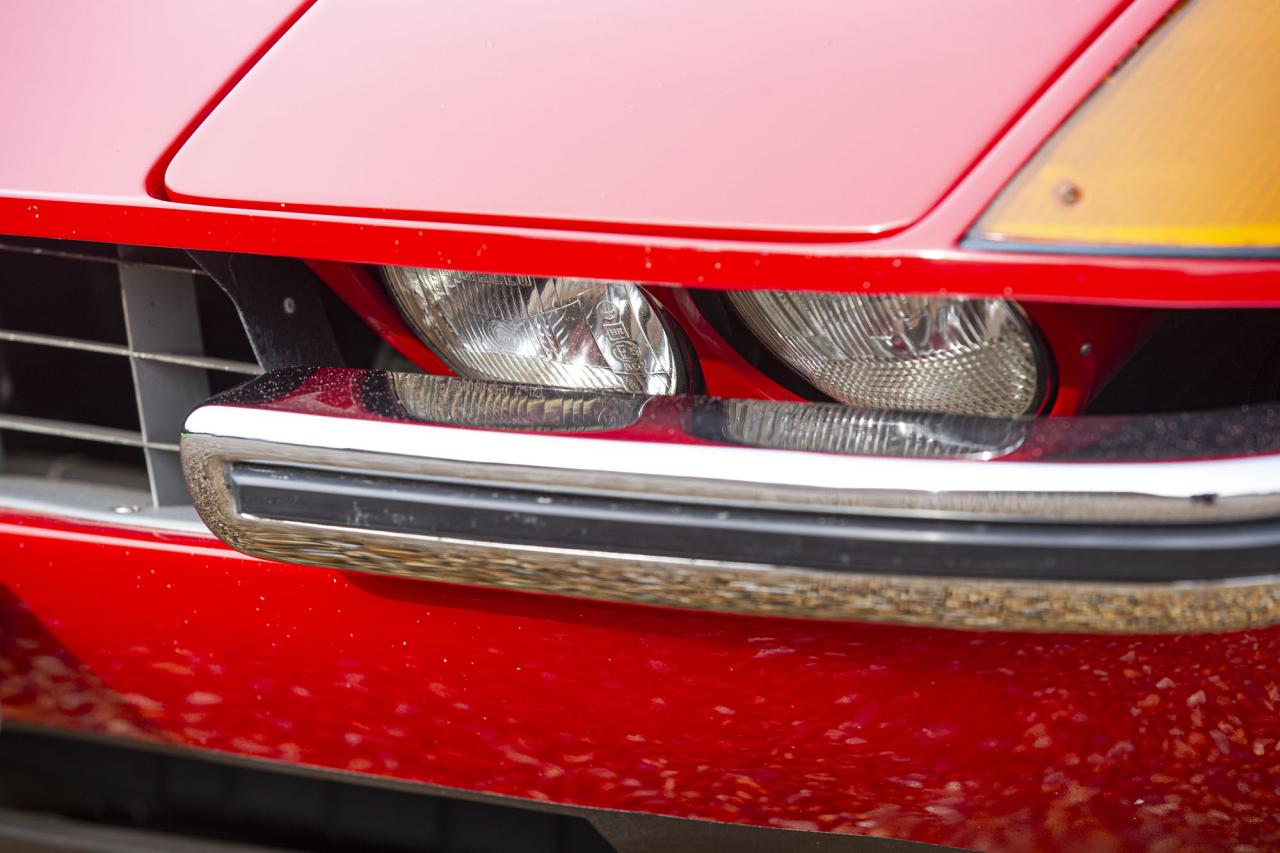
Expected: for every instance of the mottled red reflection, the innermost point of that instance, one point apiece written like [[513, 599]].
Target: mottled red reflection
[[989, 740]]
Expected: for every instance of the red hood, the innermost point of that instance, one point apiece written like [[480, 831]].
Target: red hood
[[96, 95], [838, 117]]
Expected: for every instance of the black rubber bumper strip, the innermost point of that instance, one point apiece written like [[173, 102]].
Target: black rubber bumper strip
[[837, 543]]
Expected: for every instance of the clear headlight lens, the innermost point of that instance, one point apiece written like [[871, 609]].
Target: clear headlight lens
[[904, 353], [559, 332]]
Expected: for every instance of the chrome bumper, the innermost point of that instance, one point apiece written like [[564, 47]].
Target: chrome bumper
[[1160, 523]]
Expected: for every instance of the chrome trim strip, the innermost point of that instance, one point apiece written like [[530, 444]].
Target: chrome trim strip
[[52, 248], [225, 365], [110, 506], [736, 587], [1172, 491], [677, 450], [71, 429]]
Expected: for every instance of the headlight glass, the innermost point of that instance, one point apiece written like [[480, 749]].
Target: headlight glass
[[904, 353], [559, 332]]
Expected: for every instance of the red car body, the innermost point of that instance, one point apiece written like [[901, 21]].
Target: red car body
[[402, 133]]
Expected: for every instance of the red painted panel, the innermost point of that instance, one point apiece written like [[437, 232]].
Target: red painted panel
[[991, 740], [836, 117], [1163, 282], [96, 93], [112, 203]]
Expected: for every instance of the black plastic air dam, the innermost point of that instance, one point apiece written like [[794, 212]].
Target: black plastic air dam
[[1157, 523], [801, 539]]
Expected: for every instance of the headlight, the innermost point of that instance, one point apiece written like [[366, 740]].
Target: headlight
[[560, 332], [905, 353], [1174, 153]]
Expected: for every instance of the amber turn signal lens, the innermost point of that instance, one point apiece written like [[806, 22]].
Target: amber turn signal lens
[[1177, 149]]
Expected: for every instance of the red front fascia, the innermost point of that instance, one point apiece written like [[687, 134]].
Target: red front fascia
[[990, 740], [120, 205]]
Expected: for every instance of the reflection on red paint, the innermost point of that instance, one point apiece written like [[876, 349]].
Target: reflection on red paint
[[989, 740]]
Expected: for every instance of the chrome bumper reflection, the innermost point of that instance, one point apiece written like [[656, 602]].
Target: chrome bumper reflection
[[1125, 524]]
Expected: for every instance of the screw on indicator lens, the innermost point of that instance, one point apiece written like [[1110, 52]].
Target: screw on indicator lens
[[1068, 193]]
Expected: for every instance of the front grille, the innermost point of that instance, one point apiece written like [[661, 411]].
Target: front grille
[[104, 350]]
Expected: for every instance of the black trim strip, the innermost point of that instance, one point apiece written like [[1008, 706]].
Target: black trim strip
[[800, 539]]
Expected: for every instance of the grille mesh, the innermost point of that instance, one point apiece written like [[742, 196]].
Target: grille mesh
[[104, 350]]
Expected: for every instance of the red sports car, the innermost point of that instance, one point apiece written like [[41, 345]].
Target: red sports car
[[621, 426]]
